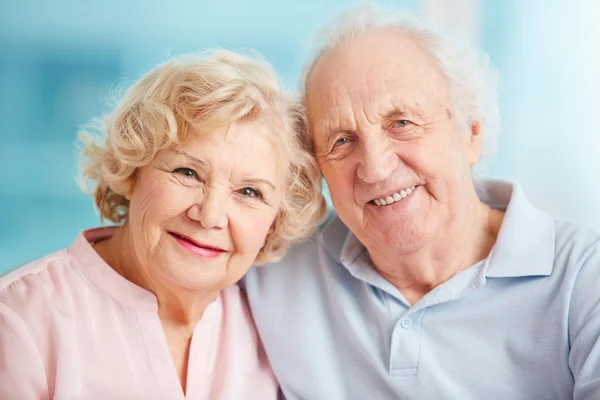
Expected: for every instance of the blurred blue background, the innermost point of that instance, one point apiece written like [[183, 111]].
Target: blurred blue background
[[59, 61]]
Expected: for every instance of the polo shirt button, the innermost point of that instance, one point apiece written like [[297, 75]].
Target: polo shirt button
[[406, 322]]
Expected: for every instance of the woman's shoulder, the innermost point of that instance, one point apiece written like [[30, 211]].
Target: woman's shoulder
[[34, 273], [59, 274], [39, 283]]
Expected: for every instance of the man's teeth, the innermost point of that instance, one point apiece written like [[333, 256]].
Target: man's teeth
[[394, 197]]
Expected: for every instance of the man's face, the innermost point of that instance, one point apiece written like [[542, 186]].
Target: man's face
[[397, 165]]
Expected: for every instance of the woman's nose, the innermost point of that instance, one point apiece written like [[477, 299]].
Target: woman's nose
[[210, 210]]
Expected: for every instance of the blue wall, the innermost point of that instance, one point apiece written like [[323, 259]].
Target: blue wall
[[60, 59]]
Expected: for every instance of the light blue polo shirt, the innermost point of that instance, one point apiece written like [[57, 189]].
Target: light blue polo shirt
[[522, 324]]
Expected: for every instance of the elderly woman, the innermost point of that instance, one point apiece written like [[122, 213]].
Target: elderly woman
[[205, 173]]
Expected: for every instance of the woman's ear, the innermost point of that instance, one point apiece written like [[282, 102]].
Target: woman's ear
[[128, 194], [132, 182]]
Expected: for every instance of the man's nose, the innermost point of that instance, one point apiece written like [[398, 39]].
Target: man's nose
[[377, 160]]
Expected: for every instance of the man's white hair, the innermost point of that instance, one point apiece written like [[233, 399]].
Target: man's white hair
[[472, 80]]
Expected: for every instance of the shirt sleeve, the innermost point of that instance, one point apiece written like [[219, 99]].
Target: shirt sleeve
[[584, 329], [22, 373]]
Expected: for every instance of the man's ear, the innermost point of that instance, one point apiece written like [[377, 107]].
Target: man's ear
[[475, 142]]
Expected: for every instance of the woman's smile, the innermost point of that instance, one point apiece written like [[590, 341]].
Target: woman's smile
[[193, 246]]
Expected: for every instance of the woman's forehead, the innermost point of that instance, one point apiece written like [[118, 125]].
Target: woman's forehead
[[239, 148]]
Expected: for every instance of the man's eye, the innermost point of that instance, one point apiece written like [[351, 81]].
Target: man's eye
[[401, 123], [187, 172], [250, 192]]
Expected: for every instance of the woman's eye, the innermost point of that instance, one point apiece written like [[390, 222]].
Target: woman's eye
[[187, 172], [250, 192], [401, 123]]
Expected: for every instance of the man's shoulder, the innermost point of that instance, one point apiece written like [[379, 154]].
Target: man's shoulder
[[574, 242], [329, 237], [577, 266]]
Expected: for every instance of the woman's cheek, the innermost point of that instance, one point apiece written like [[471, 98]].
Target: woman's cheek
[[168, 199], [252, 227]]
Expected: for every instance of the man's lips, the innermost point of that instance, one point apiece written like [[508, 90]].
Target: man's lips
[[393, 196]]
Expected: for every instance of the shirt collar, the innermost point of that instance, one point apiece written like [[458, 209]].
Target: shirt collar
[[524, 247], [106, 278], [525, 243], [115, 285], [333, 236]]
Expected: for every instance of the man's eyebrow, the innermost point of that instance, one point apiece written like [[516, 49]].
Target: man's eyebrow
[[398, 111], [187, 155], [395, 114], [334, 130], [332, 133]]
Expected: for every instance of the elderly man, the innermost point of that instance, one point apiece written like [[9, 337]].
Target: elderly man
[[425, 285]]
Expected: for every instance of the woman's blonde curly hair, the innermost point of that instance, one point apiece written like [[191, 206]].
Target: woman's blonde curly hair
[[197, 95]]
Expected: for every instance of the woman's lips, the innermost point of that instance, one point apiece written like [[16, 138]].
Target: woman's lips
[[195, 247]]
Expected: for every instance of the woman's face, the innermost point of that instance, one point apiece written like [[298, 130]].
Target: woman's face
[[199, 213]]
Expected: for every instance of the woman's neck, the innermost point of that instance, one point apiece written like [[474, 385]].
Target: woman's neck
[[177, 306]]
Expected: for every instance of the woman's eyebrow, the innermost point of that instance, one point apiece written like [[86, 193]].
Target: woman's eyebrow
[[258, 181], [250, 181], [187, 155]]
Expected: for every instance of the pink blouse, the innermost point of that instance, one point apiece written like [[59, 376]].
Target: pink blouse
[[73, 328]]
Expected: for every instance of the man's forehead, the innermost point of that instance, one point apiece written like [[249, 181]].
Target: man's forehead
[[364, 93], [385, 80], [373, 63], [338, 100]]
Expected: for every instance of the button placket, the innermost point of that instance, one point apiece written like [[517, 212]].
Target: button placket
[[406, 345], [406, 322]]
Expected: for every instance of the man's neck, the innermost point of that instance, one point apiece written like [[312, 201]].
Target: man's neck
[[464, 242]]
